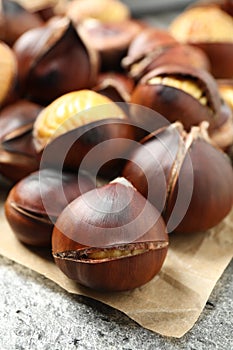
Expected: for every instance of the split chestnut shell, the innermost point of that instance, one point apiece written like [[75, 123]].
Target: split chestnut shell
[[183, 93], [184, 176], [18, 156], [54, 60], [110, 238], [35, 202]]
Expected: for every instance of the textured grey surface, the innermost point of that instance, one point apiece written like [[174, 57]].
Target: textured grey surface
[[37, 314]]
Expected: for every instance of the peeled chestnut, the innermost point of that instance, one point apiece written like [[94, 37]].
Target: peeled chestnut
[[18, 156], [110, 39], [15, 20], [8, 71], [83, 124], [184, 176], [116, 86], [210, 29], [183, 93], [46, 70], [110, 238], [35, 202]]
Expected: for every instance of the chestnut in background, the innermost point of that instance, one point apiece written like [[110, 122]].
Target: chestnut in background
[[15, 20], [102, 10], [110, 238], [210, 29], [154, 47], [54, 60], [110, 39], [35, 202]]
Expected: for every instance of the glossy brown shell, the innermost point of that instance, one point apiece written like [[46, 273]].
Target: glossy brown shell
[[175, 104], [107, 227], [36, 200], [17, 155], [211, 197], [220, 56], [70, 148], [43, 61]]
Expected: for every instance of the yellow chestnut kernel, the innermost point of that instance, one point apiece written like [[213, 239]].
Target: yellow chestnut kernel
[[208, 24], [7, 70], [71, 111]]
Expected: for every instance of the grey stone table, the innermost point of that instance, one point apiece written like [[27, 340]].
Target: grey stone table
[[37, 314]]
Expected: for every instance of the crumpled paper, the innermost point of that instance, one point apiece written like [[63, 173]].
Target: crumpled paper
[[171, 303]]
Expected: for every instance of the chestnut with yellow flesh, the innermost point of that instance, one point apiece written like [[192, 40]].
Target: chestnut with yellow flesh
[[121, 251], [71, 111], [200, 24], [190, 87], [182, 93], [8, 70], [102, 10]]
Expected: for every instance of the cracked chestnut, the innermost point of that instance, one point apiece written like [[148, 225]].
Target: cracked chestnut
[[110, 238], [186, 94], [18, 156], [210, 29], [43, 60], [116, 86], [111, 40], [35, 202], [184, 176], [78, 122]]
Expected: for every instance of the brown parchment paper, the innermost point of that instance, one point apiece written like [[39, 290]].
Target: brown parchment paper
[[171, 303]]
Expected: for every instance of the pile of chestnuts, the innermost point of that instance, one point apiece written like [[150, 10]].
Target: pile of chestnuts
[[114, 134]]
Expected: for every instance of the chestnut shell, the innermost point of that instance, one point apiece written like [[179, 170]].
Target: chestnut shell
[[175, 104], [183, 159], [36, 200], [18, 157], [81, 227], [42, 61]]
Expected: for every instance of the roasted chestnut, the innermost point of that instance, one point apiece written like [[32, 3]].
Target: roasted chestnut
[[184, 176], [18, 156], [210, 29], [146, 47], [77, 123], [15, 20], [103, 10], [183, 93], [35, 202], [110, 238], [116, 86], [43, 61], [46, 9], [111, 40], [8, 71], [225, 87]]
